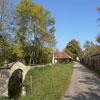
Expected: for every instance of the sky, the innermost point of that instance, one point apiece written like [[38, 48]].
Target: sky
[[74, 19]]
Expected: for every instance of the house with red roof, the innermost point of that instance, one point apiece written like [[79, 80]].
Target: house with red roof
[[63, 57]]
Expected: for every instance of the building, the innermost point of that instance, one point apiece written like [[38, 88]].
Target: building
[[63, 57]]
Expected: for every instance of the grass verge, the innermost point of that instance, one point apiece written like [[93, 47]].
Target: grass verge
[[48, 83]]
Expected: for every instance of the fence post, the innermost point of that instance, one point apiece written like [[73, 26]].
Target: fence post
[[31, 82]]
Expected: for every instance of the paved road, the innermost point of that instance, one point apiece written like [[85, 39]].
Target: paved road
[[84, 86]]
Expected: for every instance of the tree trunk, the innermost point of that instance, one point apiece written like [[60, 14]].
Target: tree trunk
[[30, 58]]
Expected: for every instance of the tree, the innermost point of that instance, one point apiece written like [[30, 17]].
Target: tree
[[23, 15], [45, 56], [26, 32], [5, 30], [91, 50], [98, 18], [42, 31], [56, 51], [88, 43], [98, 39], [73, 49], [34, 29], [6, 16]]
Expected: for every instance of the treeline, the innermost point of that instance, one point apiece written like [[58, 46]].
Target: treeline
[[90, 49], [26, 32], [74, 49]]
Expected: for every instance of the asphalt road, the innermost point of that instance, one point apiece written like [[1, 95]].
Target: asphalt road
[[84, 86]]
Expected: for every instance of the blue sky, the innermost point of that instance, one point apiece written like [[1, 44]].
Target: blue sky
[[75, 19]]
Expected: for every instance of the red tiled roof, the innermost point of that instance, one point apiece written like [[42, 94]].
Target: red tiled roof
[[62, 55]]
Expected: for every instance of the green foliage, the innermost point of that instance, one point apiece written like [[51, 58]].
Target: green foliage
[[17, 49], [27, 84], [23, 10], [1, 64], [56, 51], [15, 85], [35, 27], [5, 16], [90, 48], [73, 49], [5, 48], [99, 17], [88, 43], [69, 53], [26, 32], [5, 30], [98, 39], [45, 56], [90, 51]]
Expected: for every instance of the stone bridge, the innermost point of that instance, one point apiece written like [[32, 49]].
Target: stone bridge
[[6, 74]]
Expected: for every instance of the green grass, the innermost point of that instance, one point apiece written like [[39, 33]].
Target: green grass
[[4, 98], [96, 71], [49, 83]]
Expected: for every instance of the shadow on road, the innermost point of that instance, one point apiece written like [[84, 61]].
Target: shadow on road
[[84, 96], [91, 81]]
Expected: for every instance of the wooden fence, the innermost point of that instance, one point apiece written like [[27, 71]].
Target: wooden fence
[[93, 60]]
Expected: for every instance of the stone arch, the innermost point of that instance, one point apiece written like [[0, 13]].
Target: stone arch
[[6, 73], [15, 84]]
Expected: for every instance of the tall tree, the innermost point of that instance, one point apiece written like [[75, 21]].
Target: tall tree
[[5, 29], [43, 31], [6, 16], [23, 13], [91, 50], [73, 49], [56, 51], [98, 39], [34, 28], [88, 43]]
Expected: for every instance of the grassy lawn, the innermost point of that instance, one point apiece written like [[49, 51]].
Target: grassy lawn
[[48, 83], [96, 71], [4, 99]]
